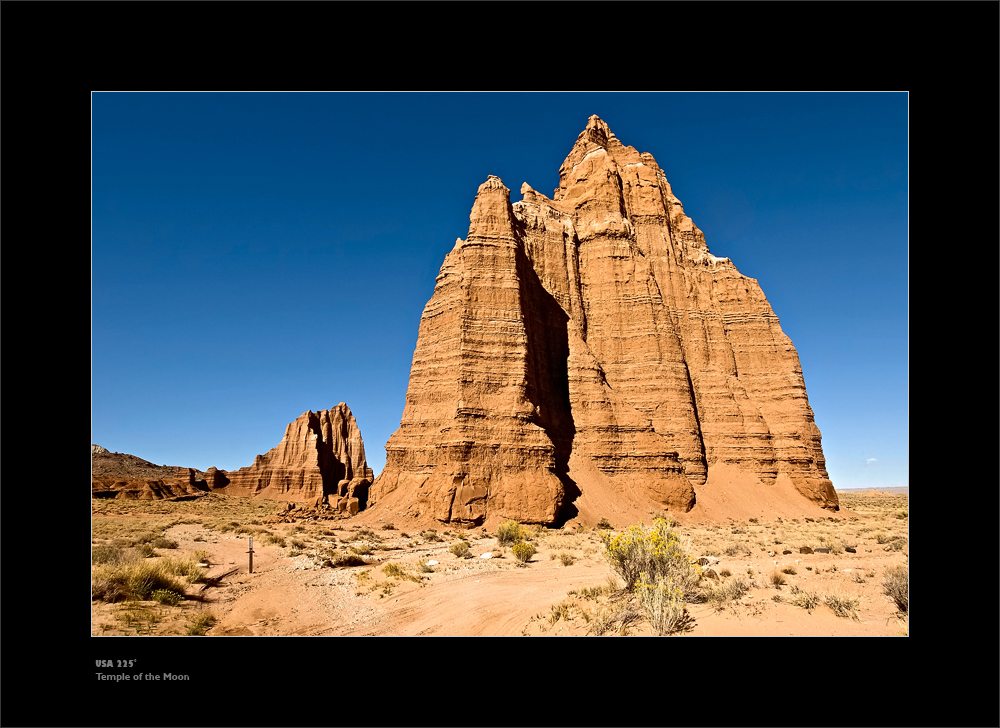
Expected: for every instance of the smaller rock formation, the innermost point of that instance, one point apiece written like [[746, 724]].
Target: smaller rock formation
[[321, 455], [119, 475]]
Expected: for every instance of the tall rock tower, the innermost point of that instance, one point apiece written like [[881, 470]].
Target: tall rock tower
[[588, 349], [321, 454]]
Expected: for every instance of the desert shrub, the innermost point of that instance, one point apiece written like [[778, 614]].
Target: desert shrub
[[132, 580], [895, 584], [778, 579], [522, 551], [425, 567], [882, 538], [138, 617], [144, 550], [185, 567], [804, 599], [725, 572], [789, 570], [835, 546], [656, 552], [106, 553], [732, 549], [162, 542], [592, 592], [566, 559], [362, 549], [601, 621], [604, 524], [430, 535], [510, 532], [842, 605], [729, 590], [201, 624], [559, 611], [897, 544], [296, 543], [662, 602], [461, 550], [167, 596], [272, 538], [339, 558], [394, 570]]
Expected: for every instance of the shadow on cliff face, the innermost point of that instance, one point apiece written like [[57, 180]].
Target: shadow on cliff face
[[545, 325], [333, 472]]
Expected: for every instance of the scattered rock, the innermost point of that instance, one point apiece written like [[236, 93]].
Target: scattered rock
[[850, 549], [805, 550]]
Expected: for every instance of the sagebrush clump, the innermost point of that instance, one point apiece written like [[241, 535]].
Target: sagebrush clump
[[522, 551], [662, 602], [656, 552], [895, 584], [132, 580], [510, 532]]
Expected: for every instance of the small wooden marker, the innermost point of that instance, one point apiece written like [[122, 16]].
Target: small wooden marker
[[251, 554]]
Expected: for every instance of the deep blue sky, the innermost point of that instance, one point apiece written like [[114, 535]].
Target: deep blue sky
[[255, 256]]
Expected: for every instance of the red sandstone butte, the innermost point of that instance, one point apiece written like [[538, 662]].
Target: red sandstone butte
[[321, 455], [587, 352]]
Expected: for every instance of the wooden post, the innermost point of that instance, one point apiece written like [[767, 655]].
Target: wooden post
[[251, 554]]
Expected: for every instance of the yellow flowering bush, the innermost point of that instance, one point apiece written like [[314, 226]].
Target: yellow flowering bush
[[662, 602], [522, 551], [510, 532], [657, 552]]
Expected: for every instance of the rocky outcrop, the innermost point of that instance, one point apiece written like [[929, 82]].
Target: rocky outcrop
[[119, 475], [321, 455], [590, 345]]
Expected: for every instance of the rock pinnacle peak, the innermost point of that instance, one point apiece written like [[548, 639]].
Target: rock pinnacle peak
[[493, 183], [597, 131]]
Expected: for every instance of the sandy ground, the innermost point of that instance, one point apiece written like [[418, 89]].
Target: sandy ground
[[291, 592]]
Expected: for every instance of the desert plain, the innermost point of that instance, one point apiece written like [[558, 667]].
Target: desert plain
[[322, 573]]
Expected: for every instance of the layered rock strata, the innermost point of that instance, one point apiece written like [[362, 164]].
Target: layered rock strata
[[590, 342], [321, 455], [124, 476]]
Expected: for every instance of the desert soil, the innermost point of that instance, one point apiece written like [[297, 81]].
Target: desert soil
[[566, 589]]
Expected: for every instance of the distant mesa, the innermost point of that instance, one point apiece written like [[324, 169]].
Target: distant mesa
[[321, 458], [587, 354], [118, 475]]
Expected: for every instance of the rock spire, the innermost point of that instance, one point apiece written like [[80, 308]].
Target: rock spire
[[321, 454], [586, 352]]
